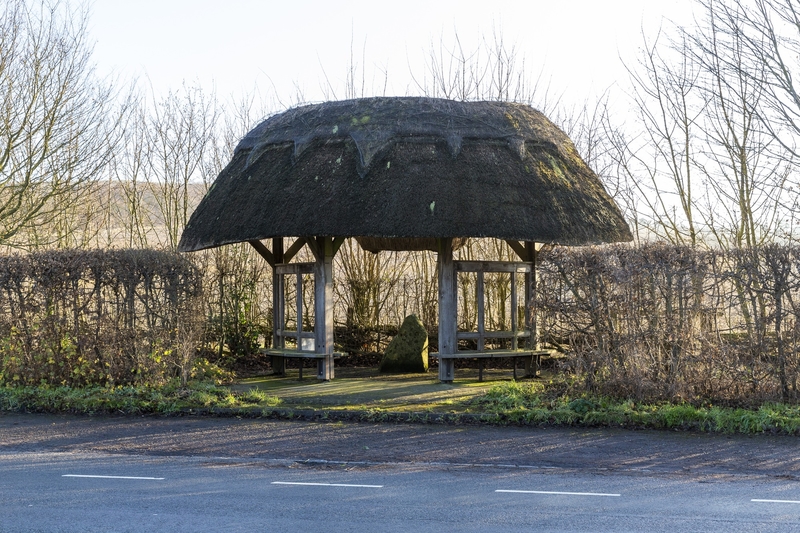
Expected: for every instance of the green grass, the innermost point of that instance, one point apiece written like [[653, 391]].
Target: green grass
[[419, 398], [531, 403], [366, 389], [130, 400]]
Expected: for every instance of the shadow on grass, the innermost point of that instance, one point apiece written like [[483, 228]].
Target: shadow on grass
[[366, 388]]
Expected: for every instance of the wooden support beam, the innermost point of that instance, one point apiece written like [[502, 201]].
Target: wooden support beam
[[277, 249], [526, 251], [519, 249], [298, 281], [473, 335], [532, 364], [293, 249], [324, 245], [323, 307], [278, 310], [514, 313], [448, 301], [337, 243], [292, 334], [263, 251], [530, 250], [495, 354], [313, 245], [295, 268], [491, 266], [481, 301]]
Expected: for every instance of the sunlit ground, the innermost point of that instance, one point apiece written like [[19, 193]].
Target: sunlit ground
[[365, 388]]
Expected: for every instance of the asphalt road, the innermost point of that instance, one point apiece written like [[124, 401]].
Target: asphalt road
[[204, 474]]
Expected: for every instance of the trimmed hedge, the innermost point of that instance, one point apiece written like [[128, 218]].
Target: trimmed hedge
[[98, 317]]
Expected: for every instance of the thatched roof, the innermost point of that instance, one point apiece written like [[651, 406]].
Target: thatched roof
[[406, 168]]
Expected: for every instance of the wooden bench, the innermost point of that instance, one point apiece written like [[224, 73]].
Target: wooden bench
[[294, 354], [534, 356]]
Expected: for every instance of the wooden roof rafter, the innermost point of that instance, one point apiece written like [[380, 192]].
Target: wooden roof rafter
[[315, 244]]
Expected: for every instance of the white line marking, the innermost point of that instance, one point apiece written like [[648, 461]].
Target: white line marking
[[326, 484], [558, 493], [775, 501], [111, 477]]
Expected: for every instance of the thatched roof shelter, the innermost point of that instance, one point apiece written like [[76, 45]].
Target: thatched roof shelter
[[404, 174], [409, 168]]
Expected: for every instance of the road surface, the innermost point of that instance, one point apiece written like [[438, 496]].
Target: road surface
[[65, 473]]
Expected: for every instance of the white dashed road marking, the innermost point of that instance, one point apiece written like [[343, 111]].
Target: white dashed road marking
[[113, 477], [558, 493], [326, 484]]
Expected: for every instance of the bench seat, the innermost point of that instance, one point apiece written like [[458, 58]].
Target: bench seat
[[532, 356], [274, 352], [279, 357], [491, 354]]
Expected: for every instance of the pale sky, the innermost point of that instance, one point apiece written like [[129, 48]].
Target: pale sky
[[271, 47]]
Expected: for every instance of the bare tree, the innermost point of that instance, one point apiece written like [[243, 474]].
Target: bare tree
[[716, 173], [129, 169], [748, 165], [180, 134], [768, 34], [494, 70], [658, 162], [56, 122], [769, 31]]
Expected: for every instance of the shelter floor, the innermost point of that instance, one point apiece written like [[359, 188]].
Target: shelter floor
[[366, 388]]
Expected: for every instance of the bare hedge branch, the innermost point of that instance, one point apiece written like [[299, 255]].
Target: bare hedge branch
[[671, 322], [109, 317]]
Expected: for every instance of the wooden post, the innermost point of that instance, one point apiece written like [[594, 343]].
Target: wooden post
[[278, 311], [448, 343], [298, 288], [481, 305], [532, 364], [323, 306], [514, 325], [531, 295]]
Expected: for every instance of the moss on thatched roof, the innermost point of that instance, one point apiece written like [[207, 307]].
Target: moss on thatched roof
[[406, 168]]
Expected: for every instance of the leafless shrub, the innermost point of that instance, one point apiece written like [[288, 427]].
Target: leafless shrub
[[96, 317], [667, 322]]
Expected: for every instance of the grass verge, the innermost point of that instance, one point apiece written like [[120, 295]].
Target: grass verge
[[530, 403], [533, 403], [169, 399]]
